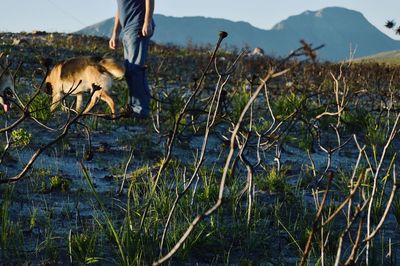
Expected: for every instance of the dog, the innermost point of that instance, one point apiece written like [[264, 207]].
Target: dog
[[78, 75], [6, 84]]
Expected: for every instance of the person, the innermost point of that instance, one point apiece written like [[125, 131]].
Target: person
[[135, 19]]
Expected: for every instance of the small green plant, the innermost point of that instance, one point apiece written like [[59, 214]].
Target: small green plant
[[286, 105], [239, 101], [21, 137], [175, 105], [262, 124], [245, 262], [304, 138], [40, 108], [83, 248], [58, 183], [33, 218], [342, 180], [49, 246], [273, 181], [37, 179], [360, 119], [355, 120], [144, 170], [375, 136]]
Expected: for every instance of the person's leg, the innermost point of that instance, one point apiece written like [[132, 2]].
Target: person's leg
[[135, 52]]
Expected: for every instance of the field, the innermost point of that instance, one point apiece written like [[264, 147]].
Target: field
[[391, 57], [246, 160]]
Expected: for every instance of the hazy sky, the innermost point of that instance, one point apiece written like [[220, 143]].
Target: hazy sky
[[72, 15]]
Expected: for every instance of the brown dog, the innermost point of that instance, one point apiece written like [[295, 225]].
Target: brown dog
[[89, 72]]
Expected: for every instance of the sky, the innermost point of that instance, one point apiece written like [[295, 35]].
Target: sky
[[72, 15]]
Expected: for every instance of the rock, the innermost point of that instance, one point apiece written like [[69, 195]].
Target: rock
[[257, 52], [19, 42]]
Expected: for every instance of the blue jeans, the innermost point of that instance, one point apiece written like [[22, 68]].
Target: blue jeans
[[135, 54]]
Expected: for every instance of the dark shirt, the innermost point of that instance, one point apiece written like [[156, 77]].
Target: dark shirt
[[131, 14]]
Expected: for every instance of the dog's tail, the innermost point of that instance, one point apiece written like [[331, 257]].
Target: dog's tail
[[113, 67]]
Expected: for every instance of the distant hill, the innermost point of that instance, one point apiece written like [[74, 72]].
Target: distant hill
[[340, 29]]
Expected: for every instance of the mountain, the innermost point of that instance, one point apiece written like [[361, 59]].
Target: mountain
[[341, 30], [198, 30]]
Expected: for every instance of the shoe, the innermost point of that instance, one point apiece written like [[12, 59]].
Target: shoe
[[126, 111], [129, 112]]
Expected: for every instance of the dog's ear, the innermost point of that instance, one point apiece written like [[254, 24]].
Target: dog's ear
[[48, 88]]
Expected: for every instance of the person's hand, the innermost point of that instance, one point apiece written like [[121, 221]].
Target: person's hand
[[147, 29], [113, 43]]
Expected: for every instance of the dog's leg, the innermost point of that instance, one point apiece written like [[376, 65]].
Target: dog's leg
[[107, 98], [55, 101], [79, 100], [92, 102]]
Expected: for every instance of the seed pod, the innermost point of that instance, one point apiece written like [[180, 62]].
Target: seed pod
[[223, 34]]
